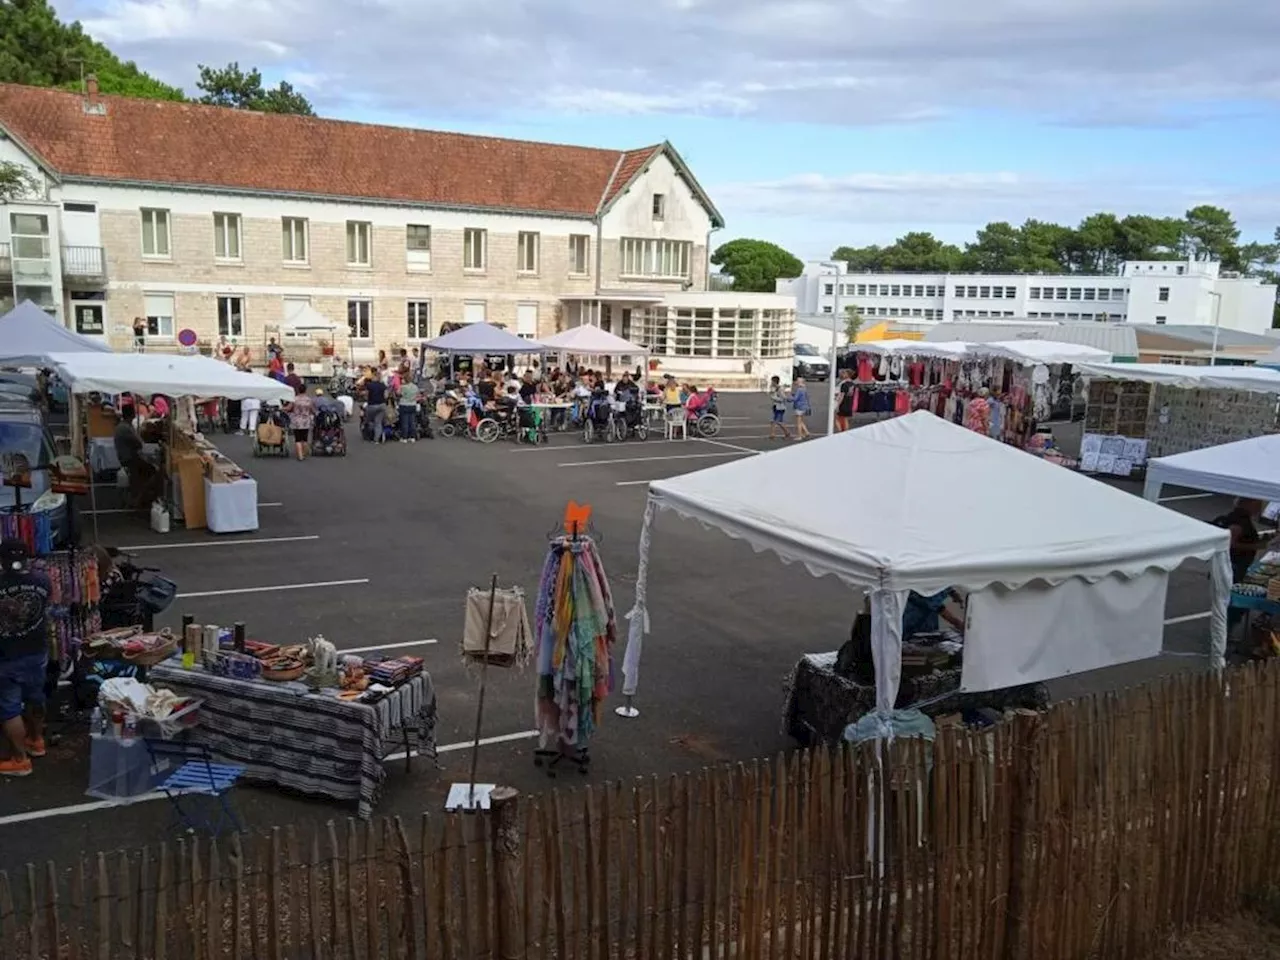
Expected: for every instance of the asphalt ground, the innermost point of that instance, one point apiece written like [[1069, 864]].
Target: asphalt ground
[[378, 549]]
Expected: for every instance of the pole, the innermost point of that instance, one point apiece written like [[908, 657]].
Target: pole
[[831, 370], [484, 672], [505, 841], [1217, 317]]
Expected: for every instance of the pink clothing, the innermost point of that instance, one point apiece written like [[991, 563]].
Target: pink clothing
[[160, 407], [977, 416]]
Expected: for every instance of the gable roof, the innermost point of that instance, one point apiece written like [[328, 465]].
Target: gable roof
[[634, 163], [162, 142]]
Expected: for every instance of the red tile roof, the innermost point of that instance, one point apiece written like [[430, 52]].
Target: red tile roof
[[186, 144]]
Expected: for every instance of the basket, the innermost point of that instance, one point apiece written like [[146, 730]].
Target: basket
[[270, 435], [283, 670], [154, 655], [1273, 588]]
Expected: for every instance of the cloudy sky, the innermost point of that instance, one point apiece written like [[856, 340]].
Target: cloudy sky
[[810, 122]]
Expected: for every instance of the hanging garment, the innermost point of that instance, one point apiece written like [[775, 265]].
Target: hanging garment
[[977, 416], [866, 368], [510, 639], [574, 632]]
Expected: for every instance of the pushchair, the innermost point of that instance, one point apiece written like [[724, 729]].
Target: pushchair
[[330, 437], [270, 439], [599, 419]]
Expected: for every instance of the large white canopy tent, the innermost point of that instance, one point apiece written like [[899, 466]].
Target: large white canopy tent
[[482, 338], [306, 319], [1065, 574], [168, 374], [1245, 468], [1257, 379], [29, 336], [1043, 351], [589, 340]]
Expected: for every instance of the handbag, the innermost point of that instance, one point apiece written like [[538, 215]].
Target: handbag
[[510, 639]]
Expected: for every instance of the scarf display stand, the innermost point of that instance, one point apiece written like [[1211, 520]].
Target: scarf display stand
[[472, 795]]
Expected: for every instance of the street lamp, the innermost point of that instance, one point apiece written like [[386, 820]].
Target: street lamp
[[1217, 317], [835, 327]]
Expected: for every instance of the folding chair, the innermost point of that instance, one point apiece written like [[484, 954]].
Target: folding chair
[[196, 776]]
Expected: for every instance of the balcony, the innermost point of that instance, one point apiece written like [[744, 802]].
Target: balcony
[[84, 263]]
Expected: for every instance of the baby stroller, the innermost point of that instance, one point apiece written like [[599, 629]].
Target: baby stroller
[[599, 419], [330, 438], [270, 438]]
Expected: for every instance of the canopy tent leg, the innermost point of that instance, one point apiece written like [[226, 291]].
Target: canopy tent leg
[[1220, 576], [1152, 487], [887, 607], [638, 619]]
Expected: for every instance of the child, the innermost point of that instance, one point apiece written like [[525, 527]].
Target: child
[[800, 402], [778, 400]]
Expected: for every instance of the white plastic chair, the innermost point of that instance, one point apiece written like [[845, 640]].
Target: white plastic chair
[[675, 424]]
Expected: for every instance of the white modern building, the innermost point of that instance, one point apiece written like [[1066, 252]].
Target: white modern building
[[1190, 292]]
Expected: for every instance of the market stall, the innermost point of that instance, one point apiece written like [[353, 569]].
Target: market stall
[[1062, 574], [482, 340], [209, 489], [1245, 468], [28, 336], [1142, 411]]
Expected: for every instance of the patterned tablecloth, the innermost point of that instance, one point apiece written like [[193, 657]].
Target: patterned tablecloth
[[281, 733]]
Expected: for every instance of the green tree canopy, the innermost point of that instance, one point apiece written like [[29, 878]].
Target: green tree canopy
[[16, 181], [1211, 231], [755, 265], [230, 86]]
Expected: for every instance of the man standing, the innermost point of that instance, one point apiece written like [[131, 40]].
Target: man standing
[[24, 657]]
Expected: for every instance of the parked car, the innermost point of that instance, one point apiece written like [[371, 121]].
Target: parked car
[[22, 430], [810, 363]]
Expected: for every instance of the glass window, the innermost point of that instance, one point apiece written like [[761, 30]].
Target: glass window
[[1163, 295], [226, 236], [1075, 293], [359, 243], [997, 293], [659, 206], [1117, 293], [959, 291], [919, 290], [294, 231], [1062, 293], [526, 252], [895, 290], [971, 292], [656, 258], [1033, 293], [579, 254], [984, 293], [231, 316], [1090, 293], [1104, 294], [474, 244], [827, 289], [862, 289], [155, 232], [419, 319], [360, 319], [417, 246], [159, 315]]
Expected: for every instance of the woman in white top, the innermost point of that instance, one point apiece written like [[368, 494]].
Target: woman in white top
[[249, 415]]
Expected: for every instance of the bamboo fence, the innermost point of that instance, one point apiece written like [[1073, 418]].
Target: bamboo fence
[[1096, 829]]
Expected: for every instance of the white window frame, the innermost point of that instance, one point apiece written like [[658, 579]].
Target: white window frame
[[576, 241], [298, 228], [231, 226], [354, 331], [1162, 294], [417, 320], [152, 220], [659, 206], [661, 259], [484, 308], [417, 257], [172, 318], [359, 243], [225, 328], [475, 249], [528, 250]]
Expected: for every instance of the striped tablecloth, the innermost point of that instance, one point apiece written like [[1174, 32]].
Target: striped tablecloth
[[281, 733]]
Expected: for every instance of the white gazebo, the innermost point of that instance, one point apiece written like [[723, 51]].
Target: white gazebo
[[1245, 468], [1064, 574]]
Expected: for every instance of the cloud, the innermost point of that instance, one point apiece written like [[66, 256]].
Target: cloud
[[847, 61]]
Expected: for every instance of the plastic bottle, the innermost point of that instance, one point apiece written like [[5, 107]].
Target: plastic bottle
[[130, 728], [96, 726]]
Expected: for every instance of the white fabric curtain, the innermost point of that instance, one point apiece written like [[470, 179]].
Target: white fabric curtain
[[638, 618], [1220, 576], [886, 645]]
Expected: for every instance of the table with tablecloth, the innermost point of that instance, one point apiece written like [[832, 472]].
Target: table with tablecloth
[[315, 743]]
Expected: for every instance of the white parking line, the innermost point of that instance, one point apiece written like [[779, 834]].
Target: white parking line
[[282, 586], [388, 646], [216, 543], [678, 456], [1188, 618], [75, 808], [631, 483], [103, 513], [1186, 496], [721, 443], [591, 447]]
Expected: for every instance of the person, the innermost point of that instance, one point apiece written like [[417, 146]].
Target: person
[[778, 403], [844, 404], [922, 614], [302, 414], [159, 406], [249, 410], [293, 380], [139, 334], [24, 657], [224, 349], [408, 407], [1241, 520], [800, 404], [127, 442], [375, 405], [671, 394], [696, 403], [242, 359], [977, 414], [275, 367], [528, 388], [275, 350]]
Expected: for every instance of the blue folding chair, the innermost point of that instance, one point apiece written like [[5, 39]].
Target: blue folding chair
[[197, 776]]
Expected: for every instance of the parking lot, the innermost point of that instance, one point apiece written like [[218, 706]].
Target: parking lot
[[376, 551]]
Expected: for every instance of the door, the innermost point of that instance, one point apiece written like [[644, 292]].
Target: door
[[89, 319]]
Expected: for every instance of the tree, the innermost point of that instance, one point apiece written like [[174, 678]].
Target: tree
[[230, 86], [995, 250], [852, 323], [1150, 238], [860, 259], [920, 252], [38, 49], [16, 181], [1212, 232], [1100, 239], [756, 265]]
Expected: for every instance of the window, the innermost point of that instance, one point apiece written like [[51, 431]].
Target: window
[[656, 258], [959, 291], [474, 248], [997, 293], [982, 314], [360, 319], [957, 314], [1090, 293], [931, 291], [419, 319], [884, 289], [659, 206], [1034, 293], [984, 292], [971, 292], [579, 254], [417, 247], [159, 313], [230, 317], [155, 232], [527, 320], [1163, 295], [826, 308], [294, 231], [226, 236], [1010, 293], [919, 291], [895, 290], [1062, 293], [72, 206], [526, 252], [827, 289], [917, 312], [358, 243], [1075, 293], [862, 289], [1117, 293], [1104, 294], [473, 311], [1161, 319], [1181, 270]]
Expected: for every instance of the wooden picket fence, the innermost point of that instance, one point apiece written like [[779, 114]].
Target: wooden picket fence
[[1097, 829]]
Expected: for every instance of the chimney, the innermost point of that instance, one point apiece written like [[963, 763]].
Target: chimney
[[92, 105]]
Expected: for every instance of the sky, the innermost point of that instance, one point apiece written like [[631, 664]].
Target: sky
[[811, 123]]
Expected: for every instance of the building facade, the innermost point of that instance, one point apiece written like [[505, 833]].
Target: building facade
[[226, 223], [1145, 292]]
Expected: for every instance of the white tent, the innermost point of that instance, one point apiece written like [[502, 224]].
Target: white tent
[[1256, 379], [912, 348], [29, 336], [307, 319], [1245, 468], [1044, 351], [167, 374], [482, 338], [589, 340], [1066, 574]]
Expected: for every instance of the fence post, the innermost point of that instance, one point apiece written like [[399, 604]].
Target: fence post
[[1024, 770], [504, 834]]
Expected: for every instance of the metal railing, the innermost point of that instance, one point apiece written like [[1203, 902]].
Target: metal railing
[[86, 262]]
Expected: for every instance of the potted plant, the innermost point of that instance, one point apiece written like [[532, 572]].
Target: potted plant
[[326, 348]]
